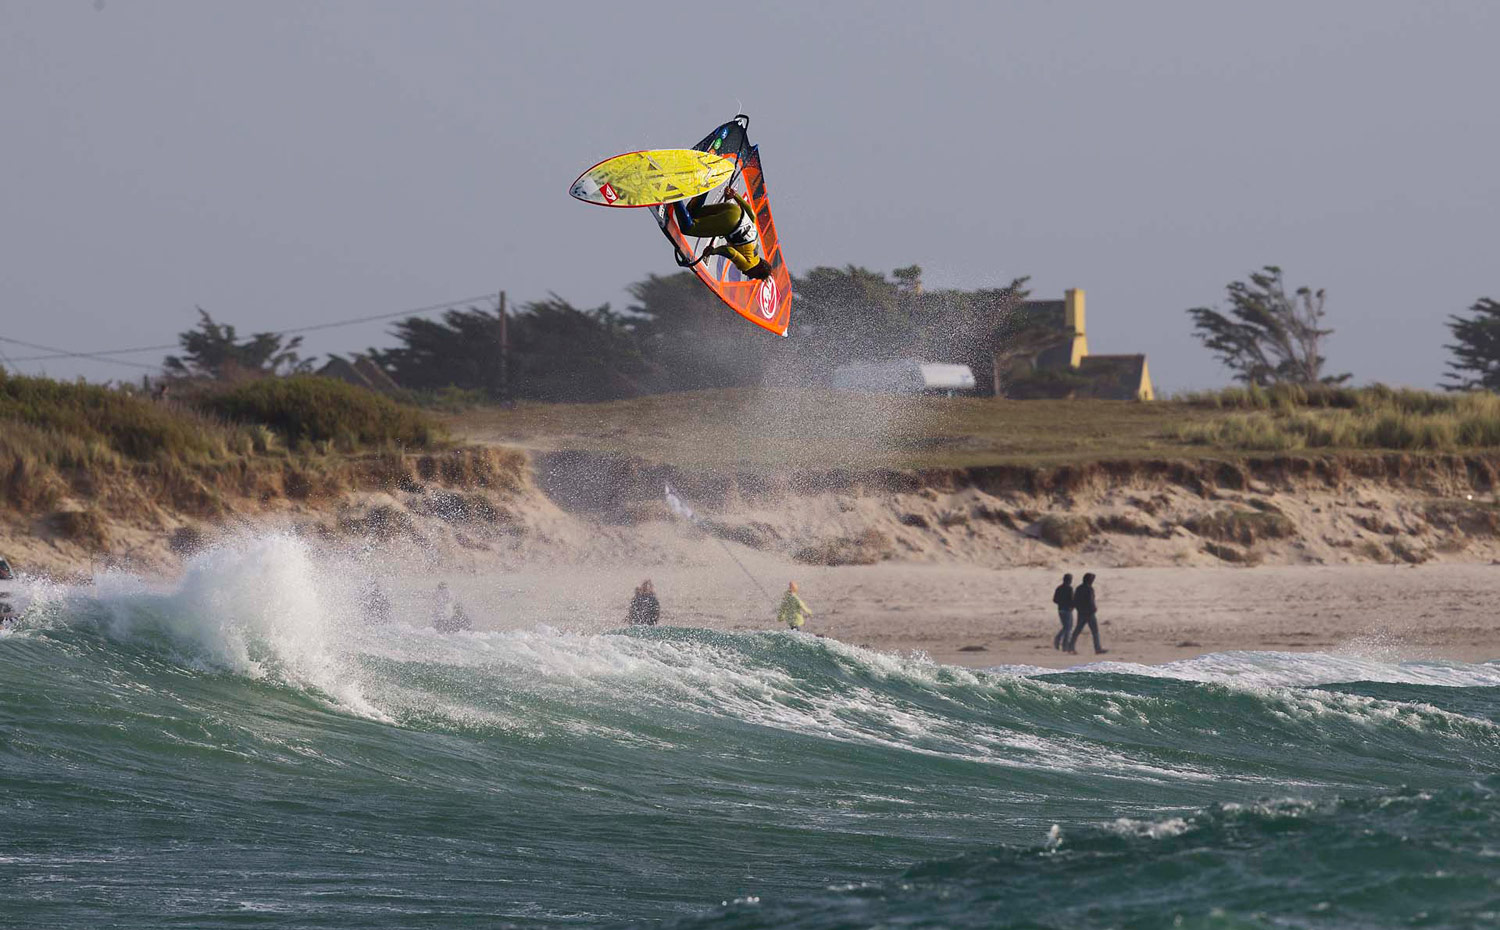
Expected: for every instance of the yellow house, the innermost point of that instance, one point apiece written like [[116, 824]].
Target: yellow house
[[1047, 355]]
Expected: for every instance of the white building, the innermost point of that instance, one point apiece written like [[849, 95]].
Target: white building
[[903, 376]]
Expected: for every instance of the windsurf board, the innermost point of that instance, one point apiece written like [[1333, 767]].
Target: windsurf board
[[652, 178]]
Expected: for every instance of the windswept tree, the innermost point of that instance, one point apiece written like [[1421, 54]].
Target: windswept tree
[[1477, 351], [695, 340], [557, 353], [213, 350], [1268, 337], [562, 353], [853, 314], [460, 349]]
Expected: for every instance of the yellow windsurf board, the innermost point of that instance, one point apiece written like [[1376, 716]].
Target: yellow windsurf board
[[647, 179]]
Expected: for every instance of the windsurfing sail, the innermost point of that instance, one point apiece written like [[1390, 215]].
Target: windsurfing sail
[[766, 303], [680, 508]]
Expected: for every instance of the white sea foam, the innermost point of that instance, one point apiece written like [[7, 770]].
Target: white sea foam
[[1298, 669], [1149, 829]]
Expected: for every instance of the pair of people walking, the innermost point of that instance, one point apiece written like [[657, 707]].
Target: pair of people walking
[[1080, 600]]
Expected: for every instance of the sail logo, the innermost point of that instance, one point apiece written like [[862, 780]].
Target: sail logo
[[768, 297]]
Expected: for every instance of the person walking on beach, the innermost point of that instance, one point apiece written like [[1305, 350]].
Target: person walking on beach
[[645, 609], [793, 612], [1088, 614], [1063, 598]]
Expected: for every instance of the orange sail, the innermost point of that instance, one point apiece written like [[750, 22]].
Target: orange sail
[[766, 303]]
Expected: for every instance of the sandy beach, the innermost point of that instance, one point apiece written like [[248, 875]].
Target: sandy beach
[[984, 617]]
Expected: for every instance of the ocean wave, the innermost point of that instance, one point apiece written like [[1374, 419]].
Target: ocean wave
[[267, 610], [250, 713], [1396, 859]]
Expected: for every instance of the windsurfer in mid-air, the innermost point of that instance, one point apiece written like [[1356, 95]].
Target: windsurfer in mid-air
[[735, 222]]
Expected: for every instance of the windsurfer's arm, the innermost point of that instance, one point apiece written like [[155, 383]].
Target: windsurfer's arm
[[741, 201]]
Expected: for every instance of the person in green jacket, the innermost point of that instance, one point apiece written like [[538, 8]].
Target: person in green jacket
[[793, 612]]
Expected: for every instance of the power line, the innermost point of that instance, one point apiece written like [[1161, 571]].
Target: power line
[[100, 356], [389, 316], [64, 353]]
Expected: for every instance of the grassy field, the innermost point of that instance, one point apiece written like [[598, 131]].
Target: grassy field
[[837, 430]]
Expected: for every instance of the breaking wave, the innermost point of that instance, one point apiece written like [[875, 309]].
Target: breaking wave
[[251, 742]]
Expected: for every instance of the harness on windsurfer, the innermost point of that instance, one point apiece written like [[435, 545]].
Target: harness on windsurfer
[[732, 220]]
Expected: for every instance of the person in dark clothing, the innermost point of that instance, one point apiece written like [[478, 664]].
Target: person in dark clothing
[[645, 609], [374, 606], [1063, 598], [1088, 614], [8, 610], [448, 616]]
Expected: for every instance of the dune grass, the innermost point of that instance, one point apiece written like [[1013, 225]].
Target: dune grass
[[309, 409], [75, 423], [1289, 419], [92, 443]]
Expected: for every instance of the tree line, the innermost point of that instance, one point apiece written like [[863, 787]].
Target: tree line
[[676, 336], [673, 336]]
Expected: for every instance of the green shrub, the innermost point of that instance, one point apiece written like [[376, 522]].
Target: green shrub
[[132, 426], [308, 409]]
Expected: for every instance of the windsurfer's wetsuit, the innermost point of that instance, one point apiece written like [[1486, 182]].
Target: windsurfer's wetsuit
[[733, 220]]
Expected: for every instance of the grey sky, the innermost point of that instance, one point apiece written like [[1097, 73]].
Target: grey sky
[[284, 164]]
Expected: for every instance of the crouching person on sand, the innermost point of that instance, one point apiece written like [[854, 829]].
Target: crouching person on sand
[[793, 612]]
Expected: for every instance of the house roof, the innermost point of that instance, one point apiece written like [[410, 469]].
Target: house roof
[[1113, 377], [361, 372], [1052, 313]]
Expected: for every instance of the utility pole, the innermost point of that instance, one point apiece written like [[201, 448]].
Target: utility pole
[[504, 354]]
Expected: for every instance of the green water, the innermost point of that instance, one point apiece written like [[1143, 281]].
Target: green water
[[242, 750]]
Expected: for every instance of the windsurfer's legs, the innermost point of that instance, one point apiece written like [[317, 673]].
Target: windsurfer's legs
[[1092, 622], [1065, 635], [715, 219]]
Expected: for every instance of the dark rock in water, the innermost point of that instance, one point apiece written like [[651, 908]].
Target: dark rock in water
[[973, 649]]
